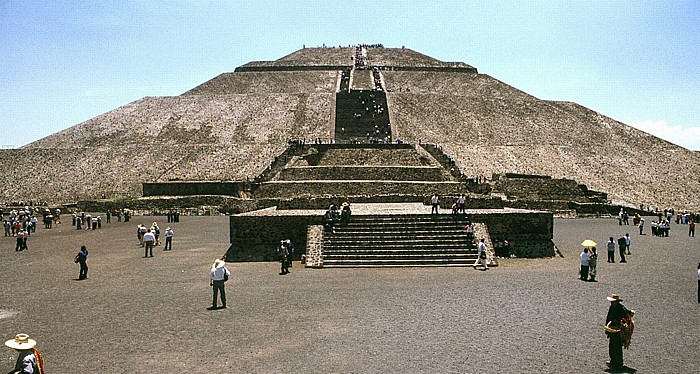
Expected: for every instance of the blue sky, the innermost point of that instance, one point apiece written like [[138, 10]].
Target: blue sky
[[64, 62]]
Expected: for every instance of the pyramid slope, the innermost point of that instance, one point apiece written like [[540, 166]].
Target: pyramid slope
[[231, 127], [490, 127]]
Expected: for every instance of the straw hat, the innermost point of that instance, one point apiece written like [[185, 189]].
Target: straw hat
[[21, 341], [588, 243], [219, 263], [614, 297]]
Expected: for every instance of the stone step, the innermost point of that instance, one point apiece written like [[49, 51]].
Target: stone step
[[398, 263]]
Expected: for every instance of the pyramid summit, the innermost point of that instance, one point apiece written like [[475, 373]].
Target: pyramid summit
[[234, 126]]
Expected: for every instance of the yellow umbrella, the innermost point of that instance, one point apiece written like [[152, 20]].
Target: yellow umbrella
[[588, 243]]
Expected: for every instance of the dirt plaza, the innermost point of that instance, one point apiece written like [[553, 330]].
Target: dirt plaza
[[148, 315]]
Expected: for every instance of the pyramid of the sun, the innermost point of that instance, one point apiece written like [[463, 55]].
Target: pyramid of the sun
[[232, 127]]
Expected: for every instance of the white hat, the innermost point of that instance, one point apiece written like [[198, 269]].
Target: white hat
[[21, 341], [219, 263]]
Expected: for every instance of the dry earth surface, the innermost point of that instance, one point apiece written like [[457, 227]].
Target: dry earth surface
[[148, 315]]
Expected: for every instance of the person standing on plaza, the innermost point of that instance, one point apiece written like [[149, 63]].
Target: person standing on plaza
[[622, 244], [282, 254], [482, 251], [30, 360], [585, 257], [168, 239], [628, 243], [593, 264], [218, 275], [149, 238], [81, 258], [641, 226], [109, 215], [691, 228], [611, 250], [618, 328]]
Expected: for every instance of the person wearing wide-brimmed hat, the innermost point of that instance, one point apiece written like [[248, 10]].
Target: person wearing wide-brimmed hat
[[218, 275], [617, 322], [30, 359]]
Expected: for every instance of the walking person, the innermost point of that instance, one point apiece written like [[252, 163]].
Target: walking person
[[482, 251], [585, 260], [618, 328], [81, 258], [628, 243], [218, 275], [168, 239], [30, 359], [611, 250]]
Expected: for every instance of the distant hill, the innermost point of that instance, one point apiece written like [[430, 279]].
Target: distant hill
[[232, 127]]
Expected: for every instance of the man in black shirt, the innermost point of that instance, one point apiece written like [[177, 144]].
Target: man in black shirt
[[617, 323]]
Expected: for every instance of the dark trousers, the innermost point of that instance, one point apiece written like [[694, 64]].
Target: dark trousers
[[83, 270], [218, 286], [149, 246], [622, 253], [20, 244], [615, 349], [584, 272], [611, 256], [435, 209], [285, 265], [168, 243]]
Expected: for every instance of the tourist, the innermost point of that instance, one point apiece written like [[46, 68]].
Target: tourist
[[30, 359], [435, 201], [622, 244], [585, 257], [593, 264], [345, 213], [699, 282], [482, 254], [109, 215], [641, 226], [168, 239], [617, 322], [461, 204], [6, 225], [81, 258], [691, 228], [628, 243], [290, 252], [218, 275], [94, 223], [149, 239], [20, 241], [78, 223], [142, 231], [282, 253], [156, 231], [611, 250]]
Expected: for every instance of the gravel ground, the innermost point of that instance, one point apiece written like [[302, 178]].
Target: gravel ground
[[148, 315]]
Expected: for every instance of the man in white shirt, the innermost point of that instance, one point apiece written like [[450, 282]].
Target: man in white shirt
[[218, 275], [483, 254], [149, 239]]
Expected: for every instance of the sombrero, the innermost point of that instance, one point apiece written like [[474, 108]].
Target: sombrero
[[614, 297], [21, 341]]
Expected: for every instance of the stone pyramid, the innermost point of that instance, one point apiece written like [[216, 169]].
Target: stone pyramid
[[233, 126]]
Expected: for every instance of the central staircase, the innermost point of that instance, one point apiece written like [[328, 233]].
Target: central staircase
[[400, 240]]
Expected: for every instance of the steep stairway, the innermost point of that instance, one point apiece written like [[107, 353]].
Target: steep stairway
[[400, 241]]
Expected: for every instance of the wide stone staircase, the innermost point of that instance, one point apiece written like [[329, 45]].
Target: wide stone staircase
[[400, 241], [362, 116]]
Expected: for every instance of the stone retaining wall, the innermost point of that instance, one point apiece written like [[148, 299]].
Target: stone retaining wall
[[340, 188], [188, 188], [254, 238], [397, 173]]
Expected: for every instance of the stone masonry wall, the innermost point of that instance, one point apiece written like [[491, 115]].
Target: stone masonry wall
[[398, 173]]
